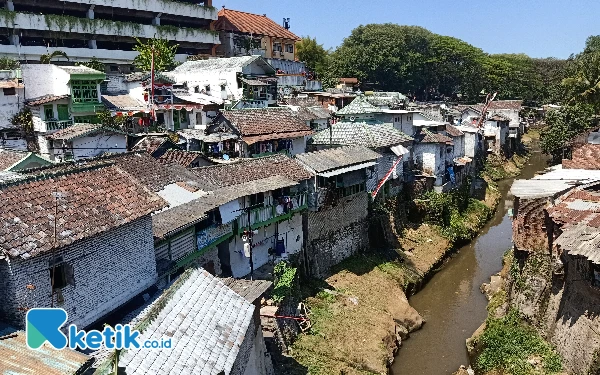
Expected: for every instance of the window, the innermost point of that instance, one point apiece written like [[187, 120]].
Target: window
[[9, 91], [61, 274], [223, 87], [114, 68], [84, 92], [289, 48], [257, 199], [197, 89], [48, 112], [207, 88], [63, 112], [277, 47]]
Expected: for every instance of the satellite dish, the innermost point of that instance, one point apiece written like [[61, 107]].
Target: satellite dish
[[352, 118], [287, 91]]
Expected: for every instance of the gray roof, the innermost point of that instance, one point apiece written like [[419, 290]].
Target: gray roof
[[582, 176], [361, 134], [122, 102], [80, 69], [250, 290], [582, 240], [533, 189], [207, 322], [359, 106], [208, 138], [213, 65], [333, 158]]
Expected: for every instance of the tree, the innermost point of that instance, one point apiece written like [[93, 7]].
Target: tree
[[564, 125], [47, 57], [312, 53], [95, 64], [164, 55], [6, 63], [110, 121], [583, 86]]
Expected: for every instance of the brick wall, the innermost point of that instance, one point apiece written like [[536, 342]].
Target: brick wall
[[336, 233], [109, 269], [7, 311]]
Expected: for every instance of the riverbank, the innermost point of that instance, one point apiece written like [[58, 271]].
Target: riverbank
[[361, 315]]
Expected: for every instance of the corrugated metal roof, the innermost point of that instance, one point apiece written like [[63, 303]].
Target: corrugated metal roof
[[347, 169], [359, 106], [17, 359], [531, 189], [250, 290], [332, 158], [581, 240], [559, 173], [207, 322]]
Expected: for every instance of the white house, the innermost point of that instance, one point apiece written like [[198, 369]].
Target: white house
[[12, 100], [102, 255], [80, 141], [429, 155], [495, 132]]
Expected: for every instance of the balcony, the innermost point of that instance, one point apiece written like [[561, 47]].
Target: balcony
[[177, 8], [51, 125], [206, 239], [267, 215]]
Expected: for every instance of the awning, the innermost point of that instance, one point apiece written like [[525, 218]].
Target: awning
[[351, 168], [399, 150], [253, 82], [273, 136]]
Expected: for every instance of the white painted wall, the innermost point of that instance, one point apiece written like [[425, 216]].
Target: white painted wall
[[44, 79], [432, 157], [87, 147], [9, 106], [157, 6], [298, 146]]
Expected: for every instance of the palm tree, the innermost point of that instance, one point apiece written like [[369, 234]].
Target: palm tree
[[47, 58], [584, 85]]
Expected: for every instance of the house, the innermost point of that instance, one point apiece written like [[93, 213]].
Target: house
[[386, 100], [266, 194], [247, 78], [187, 159], [17, 358], [14, 161], [495, 133], [347, 84], [294, 76], [244, 34], [473, 142], [261, 132], [317, 118], [80, 141], [338, 205], [230, 341], [11, 102], [387, 141], [429, 156], [458, 164], [79, 239], [60, 97], [359, 110], [155, 145]]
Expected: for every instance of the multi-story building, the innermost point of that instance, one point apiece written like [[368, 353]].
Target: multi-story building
[[107, 30], [245, 34]]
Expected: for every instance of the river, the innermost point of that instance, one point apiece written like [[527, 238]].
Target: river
[[451, 302]]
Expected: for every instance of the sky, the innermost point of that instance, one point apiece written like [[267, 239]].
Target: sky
[[539, 28]]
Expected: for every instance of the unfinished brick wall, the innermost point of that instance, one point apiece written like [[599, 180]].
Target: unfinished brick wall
[[335, 233], [529, 225], [109, 270]]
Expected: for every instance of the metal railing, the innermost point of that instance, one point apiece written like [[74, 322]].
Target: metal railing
[[267, 213], [57, 125]]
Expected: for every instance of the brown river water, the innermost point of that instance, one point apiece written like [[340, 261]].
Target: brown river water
[[451, 302]]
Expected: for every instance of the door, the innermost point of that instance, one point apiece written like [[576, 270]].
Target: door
[[48, 112], [176, 120], [63, 112]]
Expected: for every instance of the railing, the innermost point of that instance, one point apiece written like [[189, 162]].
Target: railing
[[57, 125], [284, 152], [265, 215], [210, 235]]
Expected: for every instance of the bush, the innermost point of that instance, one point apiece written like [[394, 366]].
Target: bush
[[508, 344], [285, 278]]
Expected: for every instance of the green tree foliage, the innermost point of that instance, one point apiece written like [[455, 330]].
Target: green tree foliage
[[564, 125], [94, 63], [312, 53], [6, 63], [47, 58], [164, 55], [23, 120], [110, 121], [583, 83]]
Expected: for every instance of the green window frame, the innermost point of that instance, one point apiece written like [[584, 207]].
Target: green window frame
[[48, 112], [84, 92], [63, 112]]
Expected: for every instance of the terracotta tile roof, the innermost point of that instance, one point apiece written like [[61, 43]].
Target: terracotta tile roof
[[122, 102], [273, 136], [585, 156], [150, 143], [499, 117], [339, 157], [506, 104], [361, 134], [313, 113], [262, 121], [46, 99], [10, 158], [10, 84], [255, 24], [453, 131], [81, 130], [425, 136], [90, 202], [248, 170], [183, 158], [351, 81]]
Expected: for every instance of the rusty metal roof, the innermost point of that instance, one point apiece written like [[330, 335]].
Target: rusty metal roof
[[333, 158], [17, 359]]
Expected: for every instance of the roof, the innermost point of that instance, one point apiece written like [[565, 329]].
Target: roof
[[261, 121], [207, 321], [312, 113], [5, 84], [81, 130], [79, 69], [498, 117], [17, 359], [584, 156], [210, 66], [248, 170], [207, 138], [432, 116], [272, 136], [559, 173], [122, 102], [250, 290], [184, 158], [89, 202], [534, 189], [9, 158], [47, 99], [425, 136], [197, 98], [249, 23], [360, 134], [348, 80], [333, 158], [453, 131], [6, 176], [150, 143], [506, 104], [358, 106]]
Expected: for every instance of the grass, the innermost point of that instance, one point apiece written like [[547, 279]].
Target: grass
[[509, 345]]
